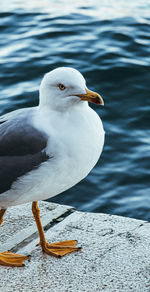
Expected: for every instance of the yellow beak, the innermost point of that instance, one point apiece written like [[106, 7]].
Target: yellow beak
[[91, 96]]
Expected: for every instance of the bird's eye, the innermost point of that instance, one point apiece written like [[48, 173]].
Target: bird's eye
[[61, 86]]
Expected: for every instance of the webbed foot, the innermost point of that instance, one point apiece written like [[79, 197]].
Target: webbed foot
[[10, 259], [59, 249]]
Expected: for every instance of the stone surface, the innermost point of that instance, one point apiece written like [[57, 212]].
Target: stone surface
[[115, 253], [19, 223]]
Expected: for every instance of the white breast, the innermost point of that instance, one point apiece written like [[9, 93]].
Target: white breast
[[75, 144]]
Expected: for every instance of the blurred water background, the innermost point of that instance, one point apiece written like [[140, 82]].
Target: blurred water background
[[109, 42]]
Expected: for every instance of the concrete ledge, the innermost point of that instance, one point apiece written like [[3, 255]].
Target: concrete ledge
[[115, 254]]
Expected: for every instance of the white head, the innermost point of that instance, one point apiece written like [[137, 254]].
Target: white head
[[65, 87]]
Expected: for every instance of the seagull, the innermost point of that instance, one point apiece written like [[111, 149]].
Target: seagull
[[47, 149]]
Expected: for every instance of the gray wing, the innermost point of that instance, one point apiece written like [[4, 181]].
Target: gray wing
[[21, 147]]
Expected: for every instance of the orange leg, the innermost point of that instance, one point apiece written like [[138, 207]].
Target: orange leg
[[2, 212], [8, 258], [57, 249]]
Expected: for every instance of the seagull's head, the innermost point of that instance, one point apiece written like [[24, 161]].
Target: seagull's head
[[65, 87]]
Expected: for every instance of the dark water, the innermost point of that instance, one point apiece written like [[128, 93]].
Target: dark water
[[110, 44]]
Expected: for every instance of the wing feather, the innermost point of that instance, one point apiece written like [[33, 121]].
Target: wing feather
[[22, 147]]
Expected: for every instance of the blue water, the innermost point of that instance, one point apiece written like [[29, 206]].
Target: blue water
[[109, 42]]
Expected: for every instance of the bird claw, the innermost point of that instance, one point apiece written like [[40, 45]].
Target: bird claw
[[10, 259], [59, 249]]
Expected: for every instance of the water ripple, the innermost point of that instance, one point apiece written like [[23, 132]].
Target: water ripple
[[110, 46]]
